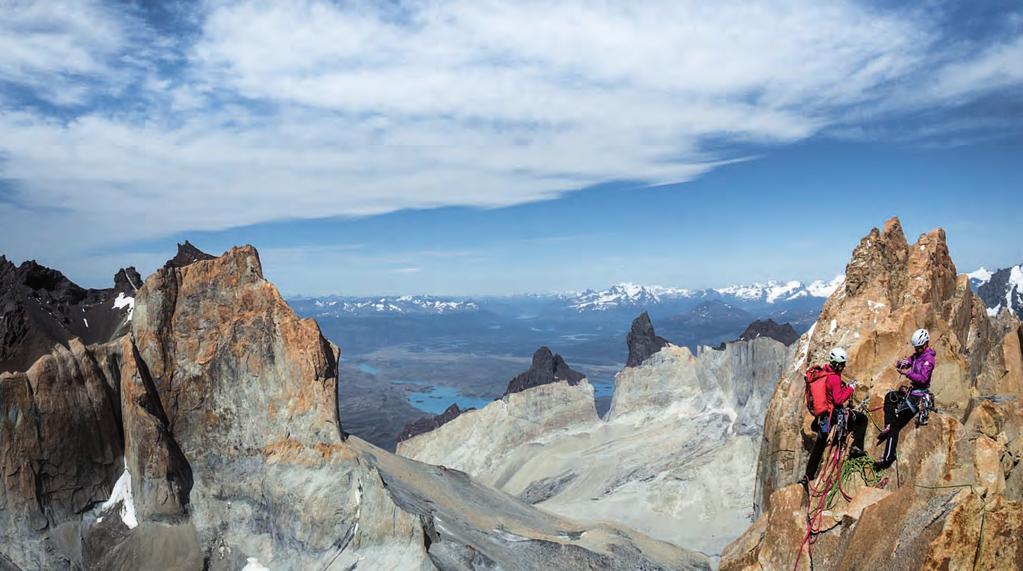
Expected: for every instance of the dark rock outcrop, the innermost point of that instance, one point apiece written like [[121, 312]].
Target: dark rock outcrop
[[187, 254], [428, 423], [127, 281], [643, 341], [783, 333], [40, 308], [547, 368]]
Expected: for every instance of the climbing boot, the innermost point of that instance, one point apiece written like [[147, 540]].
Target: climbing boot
[[856, 452], [884, 434]]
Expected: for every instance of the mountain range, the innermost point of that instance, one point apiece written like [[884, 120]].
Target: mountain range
[[1000, 289], [624, 295]]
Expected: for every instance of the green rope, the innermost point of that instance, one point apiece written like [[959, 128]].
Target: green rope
[[862, 467]]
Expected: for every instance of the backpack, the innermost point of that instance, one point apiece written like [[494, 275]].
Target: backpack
[[816, 391]]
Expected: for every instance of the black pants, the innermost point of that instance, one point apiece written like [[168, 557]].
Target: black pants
[[896, 416], [856, 423]]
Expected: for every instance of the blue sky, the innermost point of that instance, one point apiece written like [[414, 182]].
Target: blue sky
[[493, 147]]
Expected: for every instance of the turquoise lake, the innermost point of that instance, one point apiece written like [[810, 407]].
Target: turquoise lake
[[438, 398]]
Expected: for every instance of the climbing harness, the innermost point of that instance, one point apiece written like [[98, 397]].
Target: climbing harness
[[920, 402]]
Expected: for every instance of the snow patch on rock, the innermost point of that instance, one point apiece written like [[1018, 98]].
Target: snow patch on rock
[[253, 564], [123, 301], [122, 494], [1015, 285]]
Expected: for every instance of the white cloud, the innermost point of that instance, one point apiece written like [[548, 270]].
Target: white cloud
[[314, 108]]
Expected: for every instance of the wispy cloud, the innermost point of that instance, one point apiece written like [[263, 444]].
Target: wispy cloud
[[254, 111]]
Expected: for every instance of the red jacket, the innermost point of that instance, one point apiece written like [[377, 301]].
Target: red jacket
[[838, 392]]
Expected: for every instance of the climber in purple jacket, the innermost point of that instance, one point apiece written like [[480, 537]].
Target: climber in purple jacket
[[902, 405]]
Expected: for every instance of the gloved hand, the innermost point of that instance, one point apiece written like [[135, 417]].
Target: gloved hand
[[903, 363]]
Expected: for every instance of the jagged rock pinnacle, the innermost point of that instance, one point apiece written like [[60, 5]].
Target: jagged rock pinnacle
[[187, 254], [127, 280], [643, 341], [547, 368]]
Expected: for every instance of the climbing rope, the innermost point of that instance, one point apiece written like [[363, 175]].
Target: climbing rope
[[862, 467], [824, 491], [817, 504]]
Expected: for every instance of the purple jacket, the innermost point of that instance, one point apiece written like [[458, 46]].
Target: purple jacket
[[920, 368]]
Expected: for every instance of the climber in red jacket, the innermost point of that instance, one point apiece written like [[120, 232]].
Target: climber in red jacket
[[838, 393]]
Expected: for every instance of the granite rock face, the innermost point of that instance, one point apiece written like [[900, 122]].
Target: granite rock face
[[478, 441], [547, 368], [642, 340], [40, 308], [957, 471], [60, 446], [679, 421]]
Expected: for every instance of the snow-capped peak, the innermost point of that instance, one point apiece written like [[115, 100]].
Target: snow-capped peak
[[773, 291], [405, 304], [980, 276], [1001, 289], [821, 288], [625, 294]]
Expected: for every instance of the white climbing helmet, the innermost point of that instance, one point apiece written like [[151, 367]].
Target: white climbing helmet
[[920, 337], [838, 356]]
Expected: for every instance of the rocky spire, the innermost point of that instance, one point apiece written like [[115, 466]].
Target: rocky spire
[[642, 340], [127, 281], [547, 368], [187, 254]]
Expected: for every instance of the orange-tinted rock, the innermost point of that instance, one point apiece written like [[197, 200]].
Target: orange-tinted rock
[[961, 465], [223, 347]]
